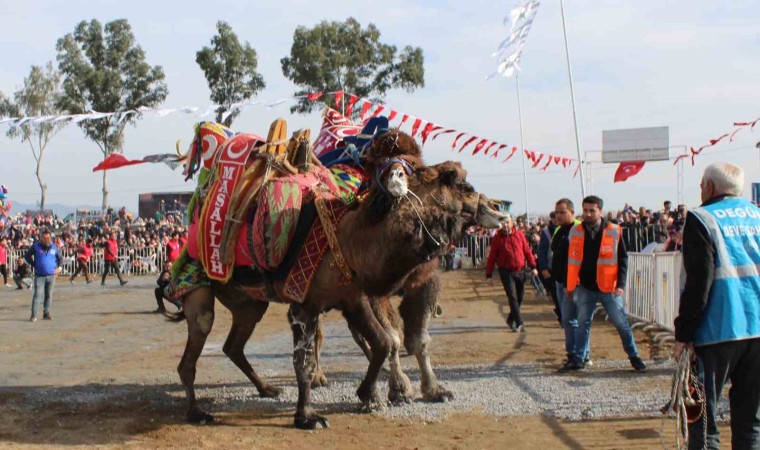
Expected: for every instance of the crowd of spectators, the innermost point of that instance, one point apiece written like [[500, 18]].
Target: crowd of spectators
[[643, 230], [22, 229]]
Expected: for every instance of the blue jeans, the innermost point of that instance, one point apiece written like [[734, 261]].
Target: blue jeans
[[586, 301], [42, 283], [569, 314]]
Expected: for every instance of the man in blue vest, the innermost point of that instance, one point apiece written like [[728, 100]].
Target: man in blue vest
[[45, 257], [719, 312]]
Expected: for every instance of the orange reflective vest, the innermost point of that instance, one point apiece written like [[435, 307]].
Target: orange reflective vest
[[606, 265]]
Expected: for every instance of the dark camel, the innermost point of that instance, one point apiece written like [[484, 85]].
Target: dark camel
[[381, 249]]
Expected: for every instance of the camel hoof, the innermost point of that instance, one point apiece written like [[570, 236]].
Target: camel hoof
[[312, 422], [270, 391], [199, 417], [401, 397], [319, 381], [372, 404], [438, 394]]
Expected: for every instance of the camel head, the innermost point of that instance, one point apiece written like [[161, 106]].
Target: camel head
[[488, 216], [391, 159]]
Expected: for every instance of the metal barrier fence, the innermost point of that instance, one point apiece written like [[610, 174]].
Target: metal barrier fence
[[653, 289], [132, 261], [636, 236]]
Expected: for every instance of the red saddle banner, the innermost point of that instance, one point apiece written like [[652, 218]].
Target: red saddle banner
[[229, 168]]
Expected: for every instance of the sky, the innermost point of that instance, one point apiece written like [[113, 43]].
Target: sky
[[691, 66]]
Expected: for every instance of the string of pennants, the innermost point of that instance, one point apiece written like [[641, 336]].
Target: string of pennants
[[422, 128], [425, 129], [738, 126]]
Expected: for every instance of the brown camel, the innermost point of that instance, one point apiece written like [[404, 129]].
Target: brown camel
[[380, 250]]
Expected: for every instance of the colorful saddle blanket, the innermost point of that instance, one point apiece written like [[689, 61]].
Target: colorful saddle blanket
[[280, 205]]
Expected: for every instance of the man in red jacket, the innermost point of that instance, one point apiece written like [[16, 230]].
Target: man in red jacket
[[111, 259], [509, 251]]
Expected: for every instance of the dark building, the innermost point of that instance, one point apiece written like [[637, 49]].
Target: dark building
[[163, 202]]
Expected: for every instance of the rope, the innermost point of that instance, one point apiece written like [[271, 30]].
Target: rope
[[685, 385], [422, 222]]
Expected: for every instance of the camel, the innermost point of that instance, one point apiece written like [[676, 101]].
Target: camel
[[379, 249]]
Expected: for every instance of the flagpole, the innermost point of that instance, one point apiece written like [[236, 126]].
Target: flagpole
[[522, 147], [572, 100]]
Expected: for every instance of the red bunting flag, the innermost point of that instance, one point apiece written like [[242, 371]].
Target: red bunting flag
[[454, 144], [556, 159], [489, 148], [537, 156], [628, 169], [313, 97], [443, 132], [392, 115], [416, 127], [379, 110], [352, 99], [338, 98], [114, 161], [548, 162], [365, 107], [403, 119], [429, 128], [467, 142], [514, 150], [480, 146]]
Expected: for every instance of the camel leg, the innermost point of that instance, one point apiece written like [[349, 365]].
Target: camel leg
[[244, 320], [199, 312], [361, 317], [303, 323], [416, 309], [319, 376], [400, 389]]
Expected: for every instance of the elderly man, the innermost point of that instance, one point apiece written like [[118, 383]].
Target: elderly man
[[510, 251], [46, 259], [719, 311]]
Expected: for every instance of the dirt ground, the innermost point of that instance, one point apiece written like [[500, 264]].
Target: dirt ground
[[106, 339]]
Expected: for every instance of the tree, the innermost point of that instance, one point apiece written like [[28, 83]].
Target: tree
[[230, 69], [341, 56], [107, 73], [39, 97]]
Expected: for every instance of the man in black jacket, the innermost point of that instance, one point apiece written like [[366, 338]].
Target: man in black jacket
[[564, 214], [22, 275], [163, 280]]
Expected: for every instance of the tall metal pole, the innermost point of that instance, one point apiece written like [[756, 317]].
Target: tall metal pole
[[572, 100], [522, 149]]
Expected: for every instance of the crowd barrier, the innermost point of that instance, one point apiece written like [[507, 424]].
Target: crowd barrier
[[132, 261], [652, 291]]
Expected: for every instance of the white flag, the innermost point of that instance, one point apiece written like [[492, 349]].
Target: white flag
[[509, 52]]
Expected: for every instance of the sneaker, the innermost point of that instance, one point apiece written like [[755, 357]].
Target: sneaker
[[637, 364], [102, 283], [159, 310], [47, 317], [89, 281], [518, 328], [588, 362], [7, 285], [71, 281], [123, 282], [33, 319], [572, 365]]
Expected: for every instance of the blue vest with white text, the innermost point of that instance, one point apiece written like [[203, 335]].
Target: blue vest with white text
[[733, 305]]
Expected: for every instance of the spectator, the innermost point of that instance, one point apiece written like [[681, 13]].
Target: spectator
[[596, 271], [544, 262], [111, 259], [509, 252], [163, 280], [46, 259], [719, 311], [173, 247], [84, 253], [22, 275], [4, 260]]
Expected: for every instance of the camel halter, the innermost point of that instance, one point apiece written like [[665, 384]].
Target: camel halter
[[419, 216], [382, 170]]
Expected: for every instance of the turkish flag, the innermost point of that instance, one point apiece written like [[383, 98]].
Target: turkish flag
[[116, 160], [628, 169]]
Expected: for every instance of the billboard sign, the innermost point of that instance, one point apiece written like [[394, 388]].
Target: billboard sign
[[636, 144]]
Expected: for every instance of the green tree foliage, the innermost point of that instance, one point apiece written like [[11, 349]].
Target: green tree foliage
[[105, 70], [39, 97], [341, 56], [230, 69]]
